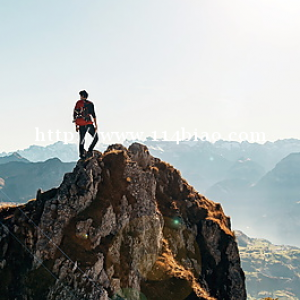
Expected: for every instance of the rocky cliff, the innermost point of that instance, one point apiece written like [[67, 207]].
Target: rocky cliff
[[122, 225]]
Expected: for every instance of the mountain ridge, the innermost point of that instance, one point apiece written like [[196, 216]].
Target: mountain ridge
[[129, 222]]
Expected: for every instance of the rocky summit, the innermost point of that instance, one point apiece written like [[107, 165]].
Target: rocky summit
[[122, 225]]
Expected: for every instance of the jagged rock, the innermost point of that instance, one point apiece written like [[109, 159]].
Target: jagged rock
[[122, 225]]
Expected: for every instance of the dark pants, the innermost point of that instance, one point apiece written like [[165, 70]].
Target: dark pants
[[82, 131]]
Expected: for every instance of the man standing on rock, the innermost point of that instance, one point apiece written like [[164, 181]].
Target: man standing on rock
[[82, 116]]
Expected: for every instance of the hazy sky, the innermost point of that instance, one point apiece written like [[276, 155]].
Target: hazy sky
[[161, 65]]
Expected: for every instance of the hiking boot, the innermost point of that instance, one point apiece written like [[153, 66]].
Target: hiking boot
[[83, 155], [90, 154]]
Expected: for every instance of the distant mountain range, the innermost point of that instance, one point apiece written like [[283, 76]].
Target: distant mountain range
[[271, 270], [20, 180], [13, 157], [267, 155], [34, 153], [268, 207], [65, 152]]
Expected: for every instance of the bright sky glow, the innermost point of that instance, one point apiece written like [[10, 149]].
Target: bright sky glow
[[210, 65]]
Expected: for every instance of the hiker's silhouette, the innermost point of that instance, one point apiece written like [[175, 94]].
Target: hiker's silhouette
[[85, 119]]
